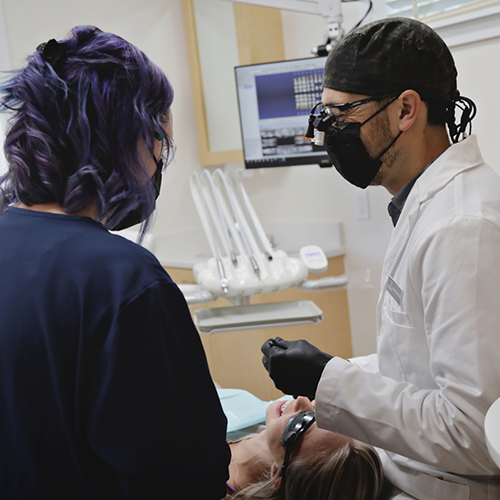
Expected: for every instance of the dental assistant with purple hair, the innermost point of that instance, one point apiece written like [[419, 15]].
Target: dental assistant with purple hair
[[105, 391]]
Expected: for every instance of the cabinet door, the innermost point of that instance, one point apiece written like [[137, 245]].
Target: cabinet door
[[234, 358]]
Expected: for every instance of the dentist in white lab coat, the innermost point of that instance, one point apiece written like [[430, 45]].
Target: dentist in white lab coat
[[389, 93]]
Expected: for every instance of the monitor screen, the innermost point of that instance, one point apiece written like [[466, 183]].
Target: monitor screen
[[275, 100]]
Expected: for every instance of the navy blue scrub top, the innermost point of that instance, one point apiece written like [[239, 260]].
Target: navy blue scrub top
[[104, 387]]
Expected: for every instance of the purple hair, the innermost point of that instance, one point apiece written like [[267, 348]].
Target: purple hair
[[76, 124]]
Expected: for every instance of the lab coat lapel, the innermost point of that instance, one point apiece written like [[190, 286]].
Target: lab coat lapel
[[455, 160], [458, 158], [397, 244], [401, 233]]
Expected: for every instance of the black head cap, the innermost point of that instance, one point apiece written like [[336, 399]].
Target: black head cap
[[391, 56]]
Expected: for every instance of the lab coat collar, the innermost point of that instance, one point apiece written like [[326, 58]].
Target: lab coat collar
[[458, 158]]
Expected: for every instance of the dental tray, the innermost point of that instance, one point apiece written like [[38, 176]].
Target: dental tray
[[256, 316]]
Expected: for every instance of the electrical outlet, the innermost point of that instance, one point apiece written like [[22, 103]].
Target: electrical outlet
[[362, 205]]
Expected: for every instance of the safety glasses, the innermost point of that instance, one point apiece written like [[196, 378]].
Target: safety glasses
[[353, 104], [327, 119], [164, 150], [294, 429]]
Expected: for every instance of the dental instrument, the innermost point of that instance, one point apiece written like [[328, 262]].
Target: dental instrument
[[204, 205], [232, 225]]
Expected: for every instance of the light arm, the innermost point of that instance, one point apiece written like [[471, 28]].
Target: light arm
[[330, 9]]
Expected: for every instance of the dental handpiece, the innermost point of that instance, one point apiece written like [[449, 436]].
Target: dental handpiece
[[273, 343], [234, 259], [232, 253], [253, 261], [224, 282], [255, 266]]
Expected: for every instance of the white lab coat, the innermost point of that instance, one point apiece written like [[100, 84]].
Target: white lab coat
[[437, 368]]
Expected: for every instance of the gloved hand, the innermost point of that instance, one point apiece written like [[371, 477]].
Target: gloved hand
[[295, 366]]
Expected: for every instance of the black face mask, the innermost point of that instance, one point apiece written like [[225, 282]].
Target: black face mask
[[137, 215], [348, 153]]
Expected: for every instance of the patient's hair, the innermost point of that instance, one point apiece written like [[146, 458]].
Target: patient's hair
[[78, 113], [353, 472]]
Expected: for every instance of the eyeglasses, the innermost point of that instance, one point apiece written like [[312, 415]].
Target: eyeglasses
[[327, 119], [164, 150], [350, 105], [294, 429]]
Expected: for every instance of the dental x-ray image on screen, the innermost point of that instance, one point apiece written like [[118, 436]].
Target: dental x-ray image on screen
[[274, 101]]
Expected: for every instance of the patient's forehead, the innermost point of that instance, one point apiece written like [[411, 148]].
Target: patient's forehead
[[316, 439]]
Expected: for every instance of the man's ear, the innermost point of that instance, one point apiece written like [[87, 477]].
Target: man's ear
[[410, 106], [278, 482]]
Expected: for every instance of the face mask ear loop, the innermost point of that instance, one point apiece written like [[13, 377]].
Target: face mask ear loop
[[395, 138], [390, 146], [377, 112]]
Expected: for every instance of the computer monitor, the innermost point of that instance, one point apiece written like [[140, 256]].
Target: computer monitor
[[275, 100]]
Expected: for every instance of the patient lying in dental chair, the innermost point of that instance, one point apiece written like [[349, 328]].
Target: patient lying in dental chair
[[290, 457]]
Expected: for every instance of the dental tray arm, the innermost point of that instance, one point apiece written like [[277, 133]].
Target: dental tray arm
[[197, 295], [327, 283], [352, 279]]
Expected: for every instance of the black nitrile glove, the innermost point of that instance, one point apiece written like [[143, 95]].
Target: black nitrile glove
[[295, 366]]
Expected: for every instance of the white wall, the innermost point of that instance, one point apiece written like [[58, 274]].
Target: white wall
[[157, 28], [478, 76], [305, 194], [4, 66]]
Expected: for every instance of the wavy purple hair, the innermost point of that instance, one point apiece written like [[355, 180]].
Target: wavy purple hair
[[76, 124]]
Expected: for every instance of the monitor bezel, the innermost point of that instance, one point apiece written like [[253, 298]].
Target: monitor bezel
[[322, 160]]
